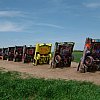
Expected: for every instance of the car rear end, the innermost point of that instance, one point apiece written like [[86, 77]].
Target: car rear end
[[62, 54], [10, 53], [1, 53], [18, 53], [5, 53], [28, 54], [91, 56], [95, 52], [42, 53]]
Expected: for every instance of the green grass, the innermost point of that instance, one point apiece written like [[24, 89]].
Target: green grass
[[12, 87], [77, 55]]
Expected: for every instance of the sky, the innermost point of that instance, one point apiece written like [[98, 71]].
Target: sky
[[48, 21]]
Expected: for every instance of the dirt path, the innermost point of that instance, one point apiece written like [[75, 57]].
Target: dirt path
[[44, 71]]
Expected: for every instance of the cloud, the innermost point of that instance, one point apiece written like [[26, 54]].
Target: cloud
[[92, 5], [21, 27], [49, 25], [10, 27], [11, 14]]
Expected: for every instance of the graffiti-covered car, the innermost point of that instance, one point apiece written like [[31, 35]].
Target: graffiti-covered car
[[28, 54], [90, 60], [62, 56], [42, 53]]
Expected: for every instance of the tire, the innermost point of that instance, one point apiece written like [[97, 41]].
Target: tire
[[88, 61], [57, 58]]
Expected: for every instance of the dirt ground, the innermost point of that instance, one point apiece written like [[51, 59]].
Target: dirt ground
[[44, 71]]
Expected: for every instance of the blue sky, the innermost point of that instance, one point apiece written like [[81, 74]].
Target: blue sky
[[35, 21]]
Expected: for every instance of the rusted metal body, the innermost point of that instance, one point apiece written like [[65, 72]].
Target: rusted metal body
[[18, 53], [10, 53], [90, 60], [62, 56], [28, 54]]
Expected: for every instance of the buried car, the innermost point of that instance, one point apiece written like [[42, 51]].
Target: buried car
[[4, 53], [28, 54], [62, 54], [90, 60], [18, 53], [10, 56], [1, 53], [42, 53]]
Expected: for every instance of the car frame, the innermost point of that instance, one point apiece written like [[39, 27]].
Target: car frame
[[90, 60], [28, 54], [18, 53], [1, 53], [4, 53], [42, 53], [10, 53], [62, 56]]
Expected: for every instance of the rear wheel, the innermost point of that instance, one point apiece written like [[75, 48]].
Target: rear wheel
[[88, 61], [57, 58]]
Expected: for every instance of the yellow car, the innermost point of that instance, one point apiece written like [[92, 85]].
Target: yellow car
[[42, 54]]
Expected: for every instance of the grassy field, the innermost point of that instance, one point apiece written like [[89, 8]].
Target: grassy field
[[12, 87], [77, 55]]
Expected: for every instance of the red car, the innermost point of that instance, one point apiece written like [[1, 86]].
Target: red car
[[28, 54], [18, 53], [10, 53]]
